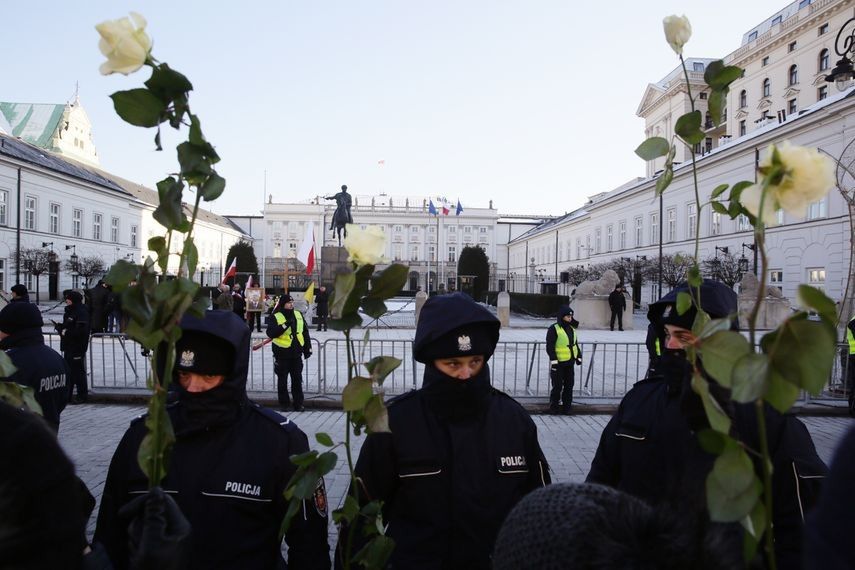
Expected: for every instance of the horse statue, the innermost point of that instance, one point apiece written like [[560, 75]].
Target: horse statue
[[341, 217]]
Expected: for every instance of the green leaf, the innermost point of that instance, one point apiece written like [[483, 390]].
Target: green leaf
[[304, 459], [169, 213], [195, 135], [718, 191], [750, 377], [167, 83], [356, 394], [17, 395], [719, 421], [376, 553], [194, 165], [719, 76], [213, 187], [817, 300], [374, 308], [719, 353], [348, 511], [121, 273], [664, 179], [326, 463], [191, 256], [381, 366], [714, 442], [736, 190], [157, 244], [693, 276], [376, 416], [684, 302], [688, 128], [755, 526], [324, 439], [388, 282], [804, 353], [139, 107], [732, 487], [714, 326], [781, 395], [156, 446], [344, 283], [293, 508], [717, 102], [7, 367], [653, 148], [720, 208]]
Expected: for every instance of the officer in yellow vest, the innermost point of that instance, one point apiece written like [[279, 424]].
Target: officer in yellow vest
[[562, 346], [291, 343], [850, 382]]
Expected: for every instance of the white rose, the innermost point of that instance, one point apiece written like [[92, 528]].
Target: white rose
[[750, 198], [366, 246], [678, 30], [125, 44], [809, 177]]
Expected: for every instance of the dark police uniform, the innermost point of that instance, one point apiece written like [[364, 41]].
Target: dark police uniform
[[562, 347], [75, 340], [649, 448], [460, 455], [291, 342], [227, 473], [38, 366]]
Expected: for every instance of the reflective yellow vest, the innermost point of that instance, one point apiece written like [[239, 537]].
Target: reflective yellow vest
[[658, 348], [850, 338], [285, 339], [562, 345]]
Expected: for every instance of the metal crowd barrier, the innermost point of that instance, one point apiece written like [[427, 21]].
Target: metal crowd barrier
[[520, 369]]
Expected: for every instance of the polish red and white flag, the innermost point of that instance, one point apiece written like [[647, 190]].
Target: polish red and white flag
[[232, 271], [306, 251]]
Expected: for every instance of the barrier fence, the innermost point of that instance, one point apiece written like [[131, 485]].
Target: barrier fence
[[521, 369]]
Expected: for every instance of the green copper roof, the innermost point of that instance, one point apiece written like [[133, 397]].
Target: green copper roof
[[34, 123]]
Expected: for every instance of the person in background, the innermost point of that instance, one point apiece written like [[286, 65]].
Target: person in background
[[38, 366], [224, 301], [19, 294], [617, 303], [74, 341], [238, 302], [562, 347], [322, 298], [460, 454], [98, 307], [291, 343]]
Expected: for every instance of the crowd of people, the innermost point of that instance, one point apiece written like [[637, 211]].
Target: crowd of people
[[462, 477]]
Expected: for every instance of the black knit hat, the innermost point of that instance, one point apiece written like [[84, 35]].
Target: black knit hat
[[467, 340], [204, 353], [670, 316], [16, 317], [454, 325], [75, 297], [19, 290]]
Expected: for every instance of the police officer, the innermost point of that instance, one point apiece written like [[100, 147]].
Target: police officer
[[460, 454], [323, 307], [230, 464], [74, 332], [39, 366], [562, 347], [291, 343], [649, 448]]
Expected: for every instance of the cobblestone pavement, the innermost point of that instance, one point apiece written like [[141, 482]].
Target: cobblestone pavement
[[90, 433]]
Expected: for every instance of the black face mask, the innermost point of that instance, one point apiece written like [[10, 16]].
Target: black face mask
[[217, 407], [677, 372], [456, 399]]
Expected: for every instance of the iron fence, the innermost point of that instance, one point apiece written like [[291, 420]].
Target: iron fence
[[520, 369]]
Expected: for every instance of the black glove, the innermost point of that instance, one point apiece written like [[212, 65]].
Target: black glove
[[158, 533], [579, 361], [306, 355]]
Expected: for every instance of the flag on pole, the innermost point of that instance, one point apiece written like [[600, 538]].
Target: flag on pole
[[459, 208], [306, 251], [310, 293], [232, 270], [443, 202], [432, 209], [248, 283], [381, 162]]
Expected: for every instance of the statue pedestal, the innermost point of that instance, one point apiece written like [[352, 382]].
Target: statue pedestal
[[333, 261], [593, 312], [774, 309]]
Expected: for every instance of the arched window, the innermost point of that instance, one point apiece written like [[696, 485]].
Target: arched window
[[743, 99], [767, 87], [794, 74], [823, 60]]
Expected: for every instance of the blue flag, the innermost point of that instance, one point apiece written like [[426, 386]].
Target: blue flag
[[432, 209], [459, 208]]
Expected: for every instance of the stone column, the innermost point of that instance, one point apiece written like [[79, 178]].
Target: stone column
[[503, 308], [421, 297]]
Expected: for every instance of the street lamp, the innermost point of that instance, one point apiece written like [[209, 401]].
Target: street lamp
[[743, 261], [842, 73]]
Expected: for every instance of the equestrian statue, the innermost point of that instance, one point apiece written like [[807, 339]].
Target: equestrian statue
[[341, 217]]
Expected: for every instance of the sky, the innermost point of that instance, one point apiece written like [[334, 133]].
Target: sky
[[528, 103]]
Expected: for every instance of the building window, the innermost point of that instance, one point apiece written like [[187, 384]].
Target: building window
[[702, 95], [715, 224], [397, 251], [692, 219], [777, 19], [822, 93], [767, 87], [622, 235], [134, 236], [823, 29], [431, 230], [30, 213], [4, 199], [792, 107], [2, 274], [698, 66], [742, 223], [803, 3], [96, 227], [598, 240], [431, 253], [654, 229], [452, 253], [414, 253], [467, 229], [672, 225], [639, 232], [743, 99], [752, 36], [114, 230], [414, 229], [578, 248], [793, 75], [77, 223], [776, 277], [816, 278], [817, 210], [53, 225], [742, 128], [791, 47], [609, 238], [588, 245], [452, 229], [823, 60], [765, 61]]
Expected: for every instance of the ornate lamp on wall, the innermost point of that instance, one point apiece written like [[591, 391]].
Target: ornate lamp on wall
[[844, 45]]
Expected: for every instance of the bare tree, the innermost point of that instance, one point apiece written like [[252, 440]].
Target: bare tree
[[88, 266], [578, 274], [35, 261], [724, 268], [674, 268]]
